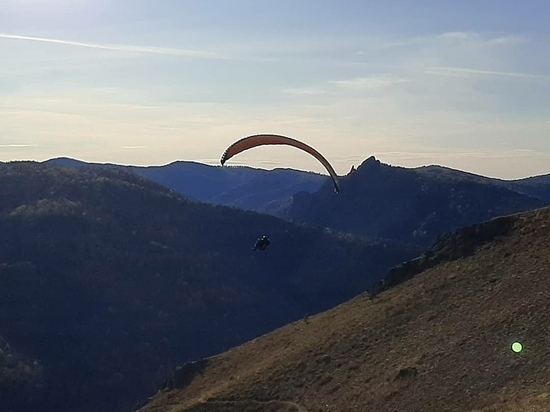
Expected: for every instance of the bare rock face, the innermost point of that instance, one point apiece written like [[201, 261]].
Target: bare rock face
[[186, 373]]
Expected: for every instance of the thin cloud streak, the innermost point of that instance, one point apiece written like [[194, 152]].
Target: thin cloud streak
[[480, 38], [119, 47], [334, 87], [312, 91], [457, 36], [368, 83], [467, 72], [481, 154]]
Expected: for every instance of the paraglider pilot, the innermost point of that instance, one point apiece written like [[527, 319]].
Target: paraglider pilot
[[262, 243]]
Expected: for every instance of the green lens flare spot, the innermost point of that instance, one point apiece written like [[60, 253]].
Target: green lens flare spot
[[517, 347]]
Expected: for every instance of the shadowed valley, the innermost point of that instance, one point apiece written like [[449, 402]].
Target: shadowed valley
[[109, 281]]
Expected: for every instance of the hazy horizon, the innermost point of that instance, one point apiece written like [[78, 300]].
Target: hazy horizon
[[459, 84]]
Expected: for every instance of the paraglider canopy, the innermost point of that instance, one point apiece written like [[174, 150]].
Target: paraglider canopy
[[272, 139]]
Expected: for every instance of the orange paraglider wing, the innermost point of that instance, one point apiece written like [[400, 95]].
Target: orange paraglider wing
[[271, 139]]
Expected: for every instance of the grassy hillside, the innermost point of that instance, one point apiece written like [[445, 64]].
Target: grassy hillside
[[438, 342]]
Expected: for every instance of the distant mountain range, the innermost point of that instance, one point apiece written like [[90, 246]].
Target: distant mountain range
[[377, 200], [266, 191], [415, 205]]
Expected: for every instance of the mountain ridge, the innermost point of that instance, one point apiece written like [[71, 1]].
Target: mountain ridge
[[411, 205], [237, 186]]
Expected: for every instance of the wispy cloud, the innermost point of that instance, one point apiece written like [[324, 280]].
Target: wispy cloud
[[459, 35], [508, 39], [476, 38], [306, 91], [368, 83], [335, 87], [482, 39], [483, 154], [119, 47], [16, 146], [467, 72]]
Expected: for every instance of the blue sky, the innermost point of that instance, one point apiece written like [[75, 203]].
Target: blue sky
[[465, 84]]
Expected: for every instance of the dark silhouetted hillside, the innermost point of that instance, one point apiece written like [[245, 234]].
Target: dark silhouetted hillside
[[109, 280], [414, 205], [267, 191], [536, 186], [440, 341], [21, 379]]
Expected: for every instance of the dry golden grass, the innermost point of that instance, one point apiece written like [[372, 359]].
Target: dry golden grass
[[536, 403], [439, 342]]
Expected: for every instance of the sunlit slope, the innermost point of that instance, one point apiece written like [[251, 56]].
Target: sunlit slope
[[438, 342]]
